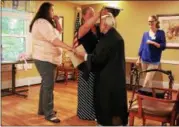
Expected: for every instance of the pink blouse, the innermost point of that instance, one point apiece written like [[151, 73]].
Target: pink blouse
[[43, 34]]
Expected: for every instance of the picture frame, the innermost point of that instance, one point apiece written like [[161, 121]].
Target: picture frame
[[61, 21], [170, 24]]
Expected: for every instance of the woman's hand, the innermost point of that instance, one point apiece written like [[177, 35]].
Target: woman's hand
[[79, 54], [153, 43], [58, 25], [150, 42], [75, 43], [138, 62], [56, 18]]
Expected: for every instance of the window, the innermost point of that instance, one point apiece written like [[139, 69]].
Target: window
[[15, 35]]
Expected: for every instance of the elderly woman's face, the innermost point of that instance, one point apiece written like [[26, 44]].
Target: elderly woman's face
[[102, 26]]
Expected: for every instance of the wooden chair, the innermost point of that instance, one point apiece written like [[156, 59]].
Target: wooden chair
[[66, 68], [137, 88], [177, 120], [162, 110]]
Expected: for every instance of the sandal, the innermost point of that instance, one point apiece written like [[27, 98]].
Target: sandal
[[53, 119]]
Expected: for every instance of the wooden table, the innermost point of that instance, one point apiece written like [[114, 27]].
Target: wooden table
[[13, 91]]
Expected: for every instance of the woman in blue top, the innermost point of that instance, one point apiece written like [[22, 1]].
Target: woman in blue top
[[150, 51]]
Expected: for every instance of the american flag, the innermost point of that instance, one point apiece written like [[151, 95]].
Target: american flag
[[77, 23]]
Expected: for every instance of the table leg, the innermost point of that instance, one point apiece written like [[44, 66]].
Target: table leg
[[14, 83], [6, 93], [13, 78], [131, 77]]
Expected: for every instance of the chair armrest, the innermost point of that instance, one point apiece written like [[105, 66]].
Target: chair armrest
[[168, 72], [141, 97], [158, 70], [165, 89]]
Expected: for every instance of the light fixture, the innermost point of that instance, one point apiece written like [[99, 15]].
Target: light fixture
[[15, 4], [112, 3]]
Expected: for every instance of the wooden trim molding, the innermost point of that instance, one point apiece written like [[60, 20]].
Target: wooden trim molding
[[134, 59]]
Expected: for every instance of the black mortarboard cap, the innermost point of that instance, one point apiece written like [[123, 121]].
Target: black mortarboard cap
[[114, 10]]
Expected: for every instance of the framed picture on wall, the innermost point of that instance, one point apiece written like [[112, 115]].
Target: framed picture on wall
[[61, 21], [170, 24]]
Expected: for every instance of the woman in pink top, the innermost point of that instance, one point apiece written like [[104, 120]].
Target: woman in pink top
[[45, 29]]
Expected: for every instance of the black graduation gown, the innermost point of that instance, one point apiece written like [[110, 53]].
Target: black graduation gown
[[108, 60]]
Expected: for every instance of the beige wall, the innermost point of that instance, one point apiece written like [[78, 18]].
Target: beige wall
[[68, 11], [132, 22]]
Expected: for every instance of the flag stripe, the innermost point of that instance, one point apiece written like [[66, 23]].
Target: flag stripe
[[77, 23]]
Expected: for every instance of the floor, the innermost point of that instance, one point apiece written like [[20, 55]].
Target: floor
[[19, 111]]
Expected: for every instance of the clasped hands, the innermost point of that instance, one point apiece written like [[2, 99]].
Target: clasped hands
[[153, 43], [150, 42], [77, 52]]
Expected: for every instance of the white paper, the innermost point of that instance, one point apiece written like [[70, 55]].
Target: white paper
[[75, 59]]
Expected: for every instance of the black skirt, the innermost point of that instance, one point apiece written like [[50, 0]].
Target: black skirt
[[86, 108]]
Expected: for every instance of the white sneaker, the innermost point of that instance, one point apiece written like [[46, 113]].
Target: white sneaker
[[99, 124]]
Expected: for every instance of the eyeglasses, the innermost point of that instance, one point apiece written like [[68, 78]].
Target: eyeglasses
[[152, 21]]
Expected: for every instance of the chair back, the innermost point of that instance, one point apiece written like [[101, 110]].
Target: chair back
[[148, 91]]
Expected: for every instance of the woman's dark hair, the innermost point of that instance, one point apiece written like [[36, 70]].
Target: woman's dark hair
[[156, 19], [84, 11], [44, 13]]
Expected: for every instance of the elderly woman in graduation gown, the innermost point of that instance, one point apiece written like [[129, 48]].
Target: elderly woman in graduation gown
[[108, 60]]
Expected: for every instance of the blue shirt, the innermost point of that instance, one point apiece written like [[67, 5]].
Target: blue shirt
[[150, 53]]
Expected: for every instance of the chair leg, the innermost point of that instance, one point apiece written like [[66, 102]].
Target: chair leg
[[76, 74], [172, 122], [56, 76], [66, 77], [164, 124], [131, 119], [173, 119], [177, 122], [143, 121]]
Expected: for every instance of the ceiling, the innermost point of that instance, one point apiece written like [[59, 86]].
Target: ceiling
[[87, 2]]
